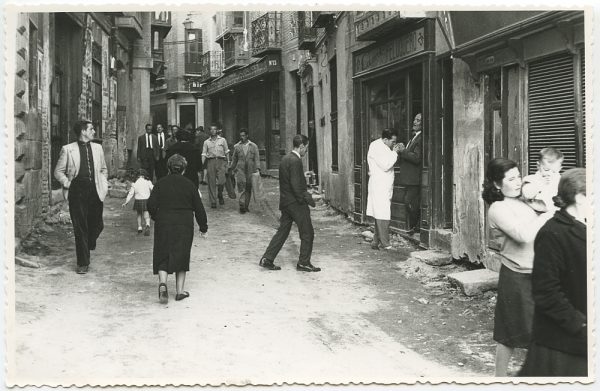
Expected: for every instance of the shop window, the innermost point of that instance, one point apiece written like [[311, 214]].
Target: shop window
[[334, 115]]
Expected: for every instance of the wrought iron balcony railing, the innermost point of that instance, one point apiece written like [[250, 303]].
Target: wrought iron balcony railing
[[307, 35], [234, 55], [212, 66], [158, 55], [322, 18], [370, 25], [193, 63], [266, 33]]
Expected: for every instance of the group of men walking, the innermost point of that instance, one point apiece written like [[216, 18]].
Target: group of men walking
[[82, 171]]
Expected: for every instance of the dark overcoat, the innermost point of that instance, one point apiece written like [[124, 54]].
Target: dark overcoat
[[192, 155], [173, 204]]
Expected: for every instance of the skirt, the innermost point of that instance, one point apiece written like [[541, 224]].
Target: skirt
[[140, 205], [513, 317], [543, 361]]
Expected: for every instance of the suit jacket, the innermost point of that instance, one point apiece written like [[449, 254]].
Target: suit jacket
[[67, 168], [245, 164], [292, 184], [162, 151], [559, 285], [146, 153], [191, 155], [410, 162]]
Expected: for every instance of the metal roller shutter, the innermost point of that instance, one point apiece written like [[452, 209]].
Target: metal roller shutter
[[552, 108], [583, 102]]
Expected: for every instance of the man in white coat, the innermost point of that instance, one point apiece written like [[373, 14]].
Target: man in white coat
[[382, 155]]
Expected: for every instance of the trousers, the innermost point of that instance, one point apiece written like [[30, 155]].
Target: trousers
[[299, 214], [215, 170], [382, 233], [86, 210], [244, 188], [412, 203]]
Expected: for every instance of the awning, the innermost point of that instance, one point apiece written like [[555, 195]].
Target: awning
[[268, 64]]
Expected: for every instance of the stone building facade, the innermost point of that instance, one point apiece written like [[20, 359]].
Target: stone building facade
[[72, 66]]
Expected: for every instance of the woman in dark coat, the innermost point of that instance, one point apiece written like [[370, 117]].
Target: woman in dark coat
[[192, 155], [173, 204], [559, 284]]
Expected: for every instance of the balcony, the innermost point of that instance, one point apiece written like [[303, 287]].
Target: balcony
[[234, 55], [233, 23], [266, 34], [211, 66], [322, 18], [161, 21], [307, 35], [371, 25], [192, 63], [130, 26]]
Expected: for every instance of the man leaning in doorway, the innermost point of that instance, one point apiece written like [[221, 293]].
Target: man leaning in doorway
[[294, 200], [215, 157], [148, 151], [161, 163], [411, 158], [381, 157], [245, 162], [81, 170]]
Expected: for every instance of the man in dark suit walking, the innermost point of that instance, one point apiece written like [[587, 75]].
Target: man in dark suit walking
[[294, 200], [161, 163], [411, 158], [148, 151]]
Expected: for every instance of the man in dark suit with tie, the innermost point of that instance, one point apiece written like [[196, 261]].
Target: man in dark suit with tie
[[294, 200], [411, 158], [161, 163], [148, 151]]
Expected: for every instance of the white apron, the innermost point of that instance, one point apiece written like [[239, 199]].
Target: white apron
[[381, 160]]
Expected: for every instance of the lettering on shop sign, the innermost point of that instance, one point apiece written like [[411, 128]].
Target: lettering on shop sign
[[271, 64], [391, 51]]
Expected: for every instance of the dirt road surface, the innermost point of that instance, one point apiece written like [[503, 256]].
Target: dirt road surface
[[359, 320]]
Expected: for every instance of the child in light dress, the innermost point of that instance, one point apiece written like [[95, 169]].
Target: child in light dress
[[141, 190], [539, 188]]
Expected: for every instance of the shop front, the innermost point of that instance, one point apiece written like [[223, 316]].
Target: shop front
[[392, 84], [249, 97]]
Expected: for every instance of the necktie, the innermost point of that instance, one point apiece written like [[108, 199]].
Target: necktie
[[160, 140]]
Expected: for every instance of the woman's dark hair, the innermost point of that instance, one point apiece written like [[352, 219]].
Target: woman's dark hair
[[176, 164], [496, 169], [182, 135], [572, 182]]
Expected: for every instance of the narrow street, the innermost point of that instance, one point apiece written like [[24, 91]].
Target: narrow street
[[359, 320]]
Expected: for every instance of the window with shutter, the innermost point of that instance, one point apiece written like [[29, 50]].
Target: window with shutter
[[582, 68], [552, 109]]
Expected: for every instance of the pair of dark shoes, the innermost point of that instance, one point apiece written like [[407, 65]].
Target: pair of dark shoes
[[82, 269], [307, 267], [268, 264], [163, 294]]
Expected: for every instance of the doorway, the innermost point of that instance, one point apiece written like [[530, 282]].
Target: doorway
[[187, 116], [313, 163]]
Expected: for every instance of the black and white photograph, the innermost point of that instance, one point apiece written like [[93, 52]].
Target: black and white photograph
[[257, 195]]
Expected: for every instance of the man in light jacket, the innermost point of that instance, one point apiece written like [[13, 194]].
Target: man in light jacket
[[81, 170], [381, 157], [245, 162]]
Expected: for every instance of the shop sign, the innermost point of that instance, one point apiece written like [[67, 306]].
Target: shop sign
[[271, 63], [391, 51]]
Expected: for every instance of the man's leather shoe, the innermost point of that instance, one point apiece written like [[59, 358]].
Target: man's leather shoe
[[82, 269], [267, 264], [221, 201], [307, 267], [242, 210]]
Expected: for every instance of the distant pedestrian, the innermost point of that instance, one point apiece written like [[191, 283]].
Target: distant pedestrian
[[381, 157], [516, 224], [559, 281], [161, 163], [199, 140], [215, 157], [171, 137], [148, 151], [140, 190], [81, 170], [185, 147], [173, 205], [294, 200], [245, 162]]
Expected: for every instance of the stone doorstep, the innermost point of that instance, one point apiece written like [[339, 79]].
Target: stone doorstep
[[432, 257], [475, 282]]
